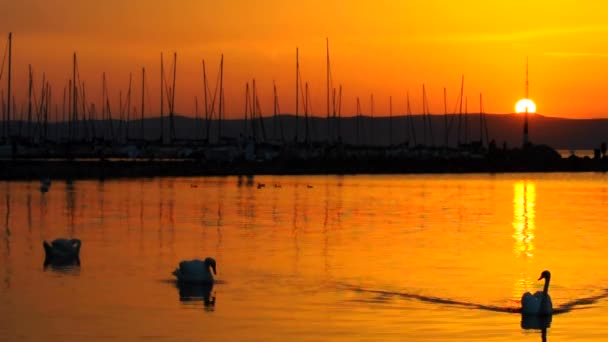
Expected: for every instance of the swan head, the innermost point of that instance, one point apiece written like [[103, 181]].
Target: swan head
[[210, 262], [545, 275]]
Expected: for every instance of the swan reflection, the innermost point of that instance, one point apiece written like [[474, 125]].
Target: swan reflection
[[67, 266], [189, 292], [535, 322]]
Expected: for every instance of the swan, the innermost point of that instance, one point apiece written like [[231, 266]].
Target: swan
[[196, 271], [540, 303], [62, 249]]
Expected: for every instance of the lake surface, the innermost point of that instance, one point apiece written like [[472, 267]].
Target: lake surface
[[307, 258]]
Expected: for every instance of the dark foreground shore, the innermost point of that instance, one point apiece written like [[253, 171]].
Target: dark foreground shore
[[95, 169]]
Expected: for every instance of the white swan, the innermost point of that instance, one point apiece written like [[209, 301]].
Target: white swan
[[196, 271], [62, 249], [540, 303]]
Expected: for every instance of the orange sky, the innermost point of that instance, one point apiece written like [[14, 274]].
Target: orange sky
[[380, 47]]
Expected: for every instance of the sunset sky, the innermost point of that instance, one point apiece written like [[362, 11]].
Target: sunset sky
[[382, 47]]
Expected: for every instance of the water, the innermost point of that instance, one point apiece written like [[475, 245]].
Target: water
[[307, 258]]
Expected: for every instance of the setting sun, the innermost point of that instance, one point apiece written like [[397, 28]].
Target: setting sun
[[523, 104]]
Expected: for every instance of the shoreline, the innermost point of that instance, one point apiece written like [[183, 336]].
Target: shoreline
[[24, 169]]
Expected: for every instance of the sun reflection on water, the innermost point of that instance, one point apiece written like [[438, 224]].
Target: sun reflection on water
[[524, 201]]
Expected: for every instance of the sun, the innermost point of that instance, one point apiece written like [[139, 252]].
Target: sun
[[523, 104]]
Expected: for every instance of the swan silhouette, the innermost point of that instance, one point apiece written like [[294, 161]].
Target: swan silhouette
[[196, 271], [538, 304], [62, 249]]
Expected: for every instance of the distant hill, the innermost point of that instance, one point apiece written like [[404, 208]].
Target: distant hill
[[558, 133]]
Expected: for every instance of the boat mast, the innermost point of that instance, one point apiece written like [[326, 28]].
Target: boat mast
[[143, 87], [10, 63], [29, 105], [327, 90], [481, 119], [411, 121], [466, 120], [274, 110], [460, 110], [340, 113], [297, 91], [207, 118], [219, 111], [371, 122], [445, 117], [245, 126], [253, 110], [162, 102], [85, 121], [424, 115], [390, 120], [357, 122], [75, 100], [306, 103]]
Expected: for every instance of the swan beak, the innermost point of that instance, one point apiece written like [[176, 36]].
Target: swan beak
[[541, 277], [213, 268]]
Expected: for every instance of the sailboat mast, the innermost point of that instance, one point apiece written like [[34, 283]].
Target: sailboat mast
[[460, 111], [445, 116], [104, 128], [423, 115], [480, 119], [340, 113], [74, 100], [307, 133], [357, 135], [371, 122], [10, 68], [390, 120], [327, 90], [207, 118], [297, 90], [246, 126], [29, 105], [162, 102], [143, 88], [274, 110], [219, 111], [253, 109]]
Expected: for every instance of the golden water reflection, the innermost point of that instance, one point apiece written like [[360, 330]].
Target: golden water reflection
[[524, 202], [286, 250]]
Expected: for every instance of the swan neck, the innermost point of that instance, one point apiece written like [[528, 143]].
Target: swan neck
[[543, 300], [546, 288]]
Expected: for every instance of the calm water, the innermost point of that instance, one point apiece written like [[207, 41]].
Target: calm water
[[354, 258]]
